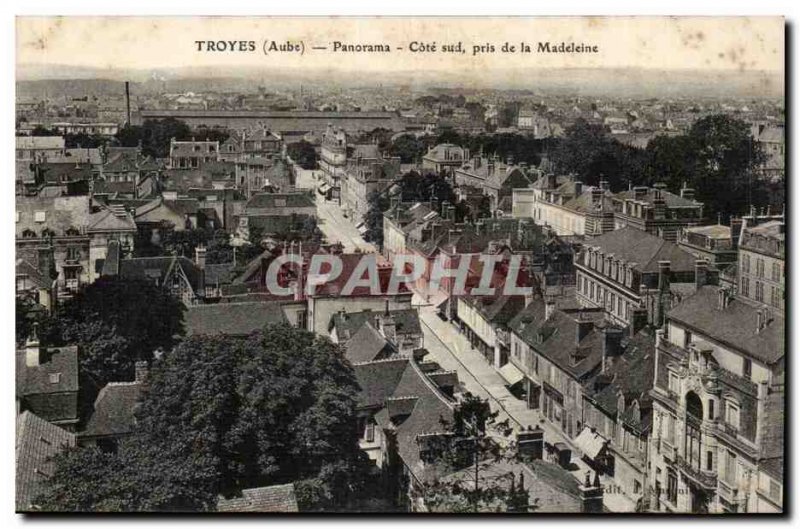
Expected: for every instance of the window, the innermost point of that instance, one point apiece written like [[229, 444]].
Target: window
[[747, 368], [672, 486], [709, 460], [710, 410], [759, 291], [760, 267], [746, 264], [40, 216], [730, 468], [673, 382], [746, 287], [369, 431], [774, 297], [637, 487], [732, 414], [687, 339], [73, 253], [776, 272], [55, 378]]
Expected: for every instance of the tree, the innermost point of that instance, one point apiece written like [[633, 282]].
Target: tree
[[477, 442], [221, 414], [373, 221], [154, 135], [303, 153], [408, 148], [115, 322]]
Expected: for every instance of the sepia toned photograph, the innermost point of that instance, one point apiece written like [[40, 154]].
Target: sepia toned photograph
[[400, 265]]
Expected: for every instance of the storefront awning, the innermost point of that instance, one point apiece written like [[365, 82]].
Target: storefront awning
[[511, 374], [590, 443]]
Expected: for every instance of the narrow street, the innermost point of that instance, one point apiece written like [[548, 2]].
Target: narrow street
[[452, 350], [339, 229]]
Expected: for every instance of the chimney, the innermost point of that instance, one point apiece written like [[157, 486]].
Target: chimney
[[612, 345], [639, 192], [638, 321], [604, 185], [723, 299], [582, 329], [736, 230], [591, 494], [387, 326], [200, 257], [578, 188], [32, 348], [597, 195], [128, 103], [141, 370], [663, 275], [687, 193], [551, 181], [700, 273], [549, 307], [530, 443]]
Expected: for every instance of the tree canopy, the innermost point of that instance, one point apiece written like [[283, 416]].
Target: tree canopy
[[221, 414], [115, 322], [303, 154]]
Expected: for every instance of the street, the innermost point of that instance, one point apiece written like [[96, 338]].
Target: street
[[452, 350]]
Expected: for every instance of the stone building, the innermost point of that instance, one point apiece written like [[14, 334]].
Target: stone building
[[762, 262], [718, 407]]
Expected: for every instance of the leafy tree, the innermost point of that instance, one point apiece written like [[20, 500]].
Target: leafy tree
[[378, 204], [154, 135], [408, 148], [476, 443], [115, 322], [303, 154], [221, 414]]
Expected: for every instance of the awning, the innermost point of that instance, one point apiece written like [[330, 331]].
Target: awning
[[511, 374], [324, 188], [590, 443]]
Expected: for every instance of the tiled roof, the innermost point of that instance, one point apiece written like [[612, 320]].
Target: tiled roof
[[631, 374], [637, 246], [281, 200], [232, 318], [670, 199], [39, 142], [36, 442], [406, 321], [53, 360], [735, 325], [276, 498], [402, 378], [114, 410], [160, 268], [367, 344]]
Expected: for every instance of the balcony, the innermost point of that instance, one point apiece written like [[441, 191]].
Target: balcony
[[706, 479]]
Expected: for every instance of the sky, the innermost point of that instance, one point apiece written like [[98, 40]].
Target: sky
[[118, 43]]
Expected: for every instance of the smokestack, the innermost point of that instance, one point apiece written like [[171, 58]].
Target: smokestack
[[128, 102]]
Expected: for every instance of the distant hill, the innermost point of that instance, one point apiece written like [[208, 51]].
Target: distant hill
[[68, 80]]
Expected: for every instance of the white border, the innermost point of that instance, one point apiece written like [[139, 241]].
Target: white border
[[342, 8]]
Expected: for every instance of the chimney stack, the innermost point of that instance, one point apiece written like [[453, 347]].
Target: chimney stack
[[591, 494], [612, 344], [582, 329], [578, 189], [141, 370], [549, 307], [32, 348], [200, 257], [530, 443], [700, 273], [723, 299]]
